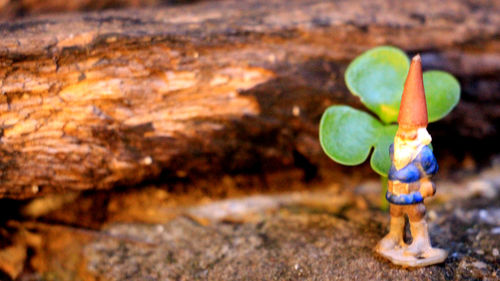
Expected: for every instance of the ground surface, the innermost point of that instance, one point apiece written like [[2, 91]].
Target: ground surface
[[324, 232], [320, 234], [296, 244]]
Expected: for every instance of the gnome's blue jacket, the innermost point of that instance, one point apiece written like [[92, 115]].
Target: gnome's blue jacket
[[424, 165]]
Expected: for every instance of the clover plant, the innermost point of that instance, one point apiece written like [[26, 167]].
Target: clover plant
[[377, 77]]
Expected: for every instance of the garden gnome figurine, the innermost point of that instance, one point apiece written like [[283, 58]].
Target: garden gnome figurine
[[412, 165]]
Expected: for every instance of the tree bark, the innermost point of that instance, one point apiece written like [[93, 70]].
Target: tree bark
[[96, 100], [10, 9]]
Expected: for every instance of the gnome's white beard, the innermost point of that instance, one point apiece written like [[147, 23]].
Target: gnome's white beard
[[406, 150]]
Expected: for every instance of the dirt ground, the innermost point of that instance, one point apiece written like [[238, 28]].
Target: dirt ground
[[299, 243], [324, 233]]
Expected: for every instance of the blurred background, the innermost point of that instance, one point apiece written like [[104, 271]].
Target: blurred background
[[178, 140]]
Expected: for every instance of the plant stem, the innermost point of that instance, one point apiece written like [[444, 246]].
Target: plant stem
[[384, 205]]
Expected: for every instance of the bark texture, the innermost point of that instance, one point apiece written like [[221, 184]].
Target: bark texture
[[96, 100], [10, 9]]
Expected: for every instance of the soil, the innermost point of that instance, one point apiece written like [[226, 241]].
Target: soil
[[297, 244], [325, 233]]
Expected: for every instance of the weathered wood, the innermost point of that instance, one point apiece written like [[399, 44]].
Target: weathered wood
[[95, 100], [10, 9]]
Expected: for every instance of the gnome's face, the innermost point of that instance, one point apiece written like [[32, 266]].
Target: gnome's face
[[408, 143]]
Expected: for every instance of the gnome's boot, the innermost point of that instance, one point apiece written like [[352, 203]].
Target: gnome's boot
[[395, 236], [421, 242]]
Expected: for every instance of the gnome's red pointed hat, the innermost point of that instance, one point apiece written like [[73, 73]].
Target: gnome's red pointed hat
[[413, 108]]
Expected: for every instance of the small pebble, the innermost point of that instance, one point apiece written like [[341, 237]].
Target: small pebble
[[432, 215], [486, 217], [479, 264], [147, 160], [495, 252], [495, 230], [482, 188], [159, 228], [455, 255]]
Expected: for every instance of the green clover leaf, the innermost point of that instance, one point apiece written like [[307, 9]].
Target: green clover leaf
[[380, 161], [442, 93], [377, 77], [347, 134]]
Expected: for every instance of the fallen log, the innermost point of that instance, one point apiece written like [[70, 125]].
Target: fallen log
[[96, 100], [10, 9]]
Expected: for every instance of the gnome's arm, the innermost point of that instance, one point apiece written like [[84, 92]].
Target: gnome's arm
[[429, 167], [427, 162]]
